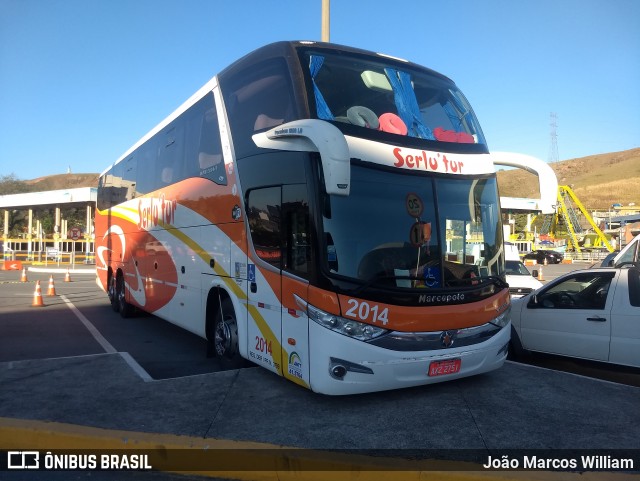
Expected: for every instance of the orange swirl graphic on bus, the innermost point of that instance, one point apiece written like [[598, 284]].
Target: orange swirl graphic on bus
[[152, 276], [148, 267]]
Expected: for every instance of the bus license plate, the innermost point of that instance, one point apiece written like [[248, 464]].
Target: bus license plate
[[440, 368]]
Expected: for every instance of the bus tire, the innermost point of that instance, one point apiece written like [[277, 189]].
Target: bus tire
[[111, 292], [126, 309], [225, 338]]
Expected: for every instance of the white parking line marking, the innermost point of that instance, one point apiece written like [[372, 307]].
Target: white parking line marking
[[137, 368], [106, 345]]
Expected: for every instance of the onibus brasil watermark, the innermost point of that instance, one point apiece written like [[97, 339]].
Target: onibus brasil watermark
[[50, 461]]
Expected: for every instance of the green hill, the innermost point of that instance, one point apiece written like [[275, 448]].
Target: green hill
[[599, 181]]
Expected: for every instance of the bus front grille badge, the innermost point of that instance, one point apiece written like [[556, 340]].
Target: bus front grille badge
[[447, 338]]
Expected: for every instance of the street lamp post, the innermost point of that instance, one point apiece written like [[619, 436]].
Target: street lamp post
[[325, 20]]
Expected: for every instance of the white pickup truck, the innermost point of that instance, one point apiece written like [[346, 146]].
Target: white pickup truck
[[590, 314]]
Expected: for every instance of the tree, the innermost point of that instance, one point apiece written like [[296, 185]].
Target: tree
[[47, 220], [10, 184]]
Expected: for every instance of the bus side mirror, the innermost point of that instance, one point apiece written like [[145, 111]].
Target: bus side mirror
[[534, 273], [313, 135]]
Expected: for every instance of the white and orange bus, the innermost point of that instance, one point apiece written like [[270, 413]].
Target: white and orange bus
[[328, 213]]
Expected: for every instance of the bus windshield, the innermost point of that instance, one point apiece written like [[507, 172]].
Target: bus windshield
[[388, 96], [421, 231]]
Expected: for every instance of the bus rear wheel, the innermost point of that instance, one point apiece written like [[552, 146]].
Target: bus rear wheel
[[126, 309], [225, 339], [111, 292]]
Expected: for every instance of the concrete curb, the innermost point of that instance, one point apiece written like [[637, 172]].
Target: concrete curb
[[288, 463]]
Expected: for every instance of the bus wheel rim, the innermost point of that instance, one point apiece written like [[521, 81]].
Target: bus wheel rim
[[222, 338]]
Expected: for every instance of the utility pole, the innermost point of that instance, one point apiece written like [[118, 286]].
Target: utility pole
[[325, 20]]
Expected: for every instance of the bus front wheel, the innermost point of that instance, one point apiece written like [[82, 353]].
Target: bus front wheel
[[225, 341]]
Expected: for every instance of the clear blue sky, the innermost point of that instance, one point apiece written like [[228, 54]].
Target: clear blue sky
[[82, 80]]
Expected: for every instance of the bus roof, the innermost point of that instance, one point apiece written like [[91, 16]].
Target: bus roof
[[282, 49], [286, 48]]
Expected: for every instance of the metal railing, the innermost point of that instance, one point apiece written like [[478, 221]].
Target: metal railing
[[587, 256], [49, 251]]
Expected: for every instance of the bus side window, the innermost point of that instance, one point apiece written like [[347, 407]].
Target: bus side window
[[210, 160], [256, 99], [146, 156], [203, 149], [105, 185], [264, 214], [274, 105], [118, 191], [129, 177], [169, 168]]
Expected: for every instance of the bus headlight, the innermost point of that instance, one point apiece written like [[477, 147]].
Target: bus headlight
[[503, 319], [346, 327]]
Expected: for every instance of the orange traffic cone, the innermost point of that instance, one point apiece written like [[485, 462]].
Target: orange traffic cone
[[546, 261], [540, 276], [37, 296], [67, 277], [51, 291], [23, 278]]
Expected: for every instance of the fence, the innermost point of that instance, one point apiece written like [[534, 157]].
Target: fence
[[49, 251], [587, 256]]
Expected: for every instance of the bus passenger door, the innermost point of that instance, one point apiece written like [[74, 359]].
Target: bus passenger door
[[264, 279], [296, 266]]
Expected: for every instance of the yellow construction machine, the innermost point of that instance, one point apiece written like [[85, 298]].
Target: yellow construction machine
[[566, 214]]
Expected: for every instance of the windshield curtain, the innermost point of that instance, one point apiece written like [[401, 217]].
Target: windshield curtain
[[414, 231], [390, 97]]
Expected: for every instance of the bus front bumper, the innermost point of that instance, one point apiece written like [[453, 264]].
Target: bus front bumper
[[340, 365]]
